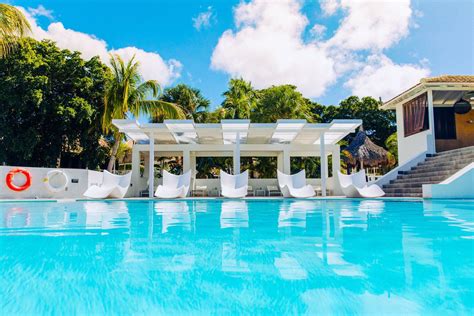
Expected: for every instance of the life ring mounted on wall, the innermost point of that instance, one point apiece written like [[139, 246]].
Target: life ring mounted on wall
[[18, 188], [54, 174]]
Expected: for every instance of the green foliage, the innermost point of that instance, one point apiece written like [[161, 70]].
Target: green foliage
[[281, 102], [391, 143], [379, 124], [240, 99], [190, 100], [13, 26], [127, 93], [51, 106]]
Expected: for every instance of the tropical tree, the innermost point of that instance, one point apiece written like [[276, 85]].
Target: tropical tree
[[13, 26], [239, 99], [128, 94], [391, 143], [51, 104], [378, 123], [281, 102], [189, 99]]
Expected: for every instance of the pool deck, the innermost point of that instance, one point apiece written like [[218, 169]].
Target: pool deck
[[259, 198]]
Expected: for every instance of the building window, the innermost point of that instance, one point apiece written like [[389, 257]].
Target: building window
[[445, 123], [415, 115]]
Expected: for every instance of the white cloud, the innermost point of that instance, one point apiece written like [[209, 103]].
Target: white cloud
[[152, 65], [381, 77], [203, 20], [268, 48], [371, 24], [41, 11], [329, 7], [317, 31]]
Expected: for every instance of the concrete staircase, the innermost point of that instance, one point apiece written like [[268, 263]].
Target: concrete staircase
[[434, 169]]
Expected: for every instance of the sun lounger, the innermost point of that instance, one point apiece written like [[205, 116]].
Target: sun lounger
[[113, 186], [295, 185], [355, 185], [174, 186], [234, 186]]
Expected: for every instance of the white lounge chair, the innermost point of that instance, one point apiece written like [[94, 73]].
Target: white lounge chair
[[355, 185], [295, 185], [234, 186], [174, 186], [113, 186]]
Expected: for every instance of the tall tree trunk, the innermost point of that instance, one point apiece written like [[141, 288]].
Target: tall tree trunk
[[113, 154]]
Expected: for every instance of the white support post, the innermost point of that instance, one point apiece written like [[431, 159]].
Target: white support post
[[186, 160], [237, 154], [193, 164], [286, 161], [280, 161], [336, 167], [323, 165], [151, 167], [135, 171], [431, 142]]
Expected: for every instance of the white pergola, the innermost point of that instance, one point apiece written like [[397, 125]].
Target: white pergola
[[236, 138]]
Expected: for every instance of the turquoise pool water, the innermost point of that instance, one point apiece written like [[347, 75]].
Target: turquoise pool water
[[237, 257]]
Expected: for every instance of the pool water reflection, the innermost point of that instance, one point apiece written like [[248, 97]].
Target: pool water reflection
[[237, 256]]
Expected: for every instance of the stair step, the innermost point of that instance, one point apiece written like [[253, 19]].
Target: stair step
[[435, 160], [455, 151], [417, 181], [424, 173], [398, 185], [441, 167], [403, 190], [447, 159], [403, 195], [434, 169]]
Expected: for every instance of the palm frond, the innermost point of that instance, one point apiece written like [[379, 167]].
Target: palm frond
[[161, 108]]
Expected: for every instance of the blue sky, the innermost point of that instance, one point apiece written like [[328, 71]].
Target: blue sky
[[329, 49]]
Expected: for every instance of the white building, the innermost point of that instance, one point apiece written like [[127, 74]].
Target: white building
[[235, 138]]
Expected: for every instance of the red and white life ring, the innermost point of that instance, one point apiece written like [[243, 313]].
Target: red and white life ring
[[11, 174]]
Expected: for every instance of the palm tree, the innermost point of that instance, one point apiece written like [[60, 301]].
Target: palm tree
[[127, 94], [13, 25], [240, 99], [189, 99]]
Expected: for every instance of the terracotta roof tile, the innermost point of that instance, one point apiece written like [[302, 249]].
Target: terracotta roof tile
[[449, 78]]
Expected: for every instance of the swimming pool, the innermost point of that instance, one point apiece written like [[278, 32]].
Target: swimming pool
[[230, 256]]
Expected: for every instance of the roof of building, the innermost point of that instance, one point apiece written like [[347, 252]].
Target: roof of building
[[449, 78], [298, 132], [448, 83]]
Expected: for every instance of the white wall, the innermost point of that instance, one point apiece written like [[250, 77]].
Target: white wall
[[411, 146], [460, 185], [39, 190]]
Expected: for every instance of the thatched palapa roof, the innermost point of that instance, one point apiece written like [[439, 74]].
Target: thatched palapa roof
[[362, 149]]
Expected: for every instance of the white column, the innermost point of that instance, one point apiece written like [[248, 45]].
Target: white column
[[151, 167], [336, 166], [193, 164], [186, 160], [237, 154], [135, 171], [280, 161], [431, 142], [336, 160], [286, 161], [323, 164]]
